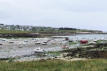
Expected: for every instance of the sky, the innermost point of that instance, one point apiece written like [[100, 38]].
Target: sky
[[83, 14]]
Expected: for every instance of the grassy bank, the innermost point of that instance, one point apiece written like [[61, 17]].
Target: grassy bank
[[56, 65], [13, 31]]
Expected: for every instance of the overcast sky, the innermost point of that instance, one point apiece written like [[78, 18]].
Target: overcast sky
[[85, 14]]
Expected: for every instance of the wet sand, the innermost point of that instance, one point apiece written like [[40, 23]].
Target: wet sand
[[25, 46]]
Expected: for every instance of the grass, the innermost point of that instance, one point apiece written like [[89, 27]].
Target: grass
[[55, 65], [54, 53], [72, 43], [13, 31]]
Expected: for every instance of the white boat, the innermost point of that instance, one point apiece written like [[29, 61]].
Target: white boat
[[39, 50]]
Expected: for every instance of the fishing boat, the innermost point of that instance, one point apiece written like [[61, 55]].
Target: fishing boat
[[39, 50]]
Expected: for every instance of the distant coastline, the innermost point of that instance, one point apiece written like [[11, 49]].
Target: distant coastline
[[36, 31]]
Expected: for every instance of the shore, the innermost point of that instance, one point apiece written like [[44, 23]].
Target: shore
[[24, 47]]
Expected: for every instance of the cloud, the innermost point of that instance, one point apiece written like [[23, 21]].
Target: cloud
[[88, 14], [19, 11], [75, 5]]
